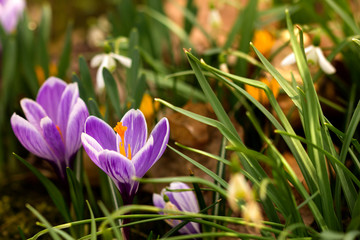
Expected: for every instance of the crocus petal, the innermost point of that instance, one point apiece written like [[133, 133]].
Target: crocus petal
[[92, 148], [75, 127], [49, 96], [31, 138], [141, 160], [184, 201], [33, 111], [53, 138], [101, 132], [10, 13], [67, 101], [325, 65], [136, 133], [158, 201], [160, 134], [119, 168], [122, 59], [153, 149], [97, 60]]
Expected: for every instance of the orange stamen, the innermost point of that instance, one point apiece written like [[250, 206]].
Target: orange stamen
[[129, 152], [120, 129]]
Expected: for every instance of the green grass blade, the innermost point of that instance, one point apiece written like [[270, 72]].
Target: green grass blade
[[112, 91], [347, 19], [93, 223], [65, 57], [53, 191], [221, 181]]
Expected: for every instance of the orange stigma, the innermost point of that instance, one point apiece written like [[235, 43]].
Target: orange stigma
[[120, 129], [58, 128]]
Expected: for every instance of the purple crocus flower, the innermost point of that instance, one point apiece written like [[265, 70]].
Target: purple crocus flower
[[126, 153], [10, 12], [181, 201], [54, 123]]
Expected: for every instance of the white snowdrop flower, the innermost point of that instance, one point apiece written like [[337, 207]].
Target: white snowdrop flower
[[314, 55], [214, 18], [107, 60]]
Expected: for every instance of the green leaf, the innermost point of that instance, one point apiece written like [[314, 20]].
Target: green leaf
[[65, 57], [76, 193], [53, 191], [94, 108], [54, 235], [85, 78], [222, 182], [112, 91], [93, 224]]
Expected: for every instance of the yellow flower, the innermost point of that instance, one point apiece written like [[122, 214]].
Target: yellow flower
[[263, 41], [259, 94], [40, 74], [148, 107]]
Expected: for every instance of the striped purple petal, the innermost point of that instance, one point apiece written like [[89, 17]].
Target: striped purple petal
[[33, 111], [153, 149], [158, 201], [31, 138], [101, 132], [49, 96], [136, 133], [92, 148], [67, 101], [75, 127]]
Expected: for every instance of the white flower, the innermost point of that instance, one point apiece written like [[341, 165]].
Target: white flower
[[107, 60], [315, 56], [214, 18], [239, 189]]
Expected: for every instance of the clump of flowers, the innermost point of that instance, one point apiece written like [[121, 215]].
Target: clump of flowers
[[10, 12], [53, 124], [242, 198], [178, 201], [126, 152]]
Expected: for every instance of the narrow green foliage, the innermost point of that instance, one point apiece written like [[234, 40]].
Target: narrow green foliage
[[112, 92], [53, 191], [65, 57], [76, 193]]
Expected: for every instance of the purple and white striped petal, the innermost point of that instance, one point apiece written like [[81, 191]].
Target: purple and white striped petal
[[184, 201], [121, 170], [153, 149], [161, 134], [101, 132], [67, 101], [53, 138], [75, 127], [141, 160], [31, 138], [33, 111], [136, 133], [49, 96], [158, 201], [92, 148]]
